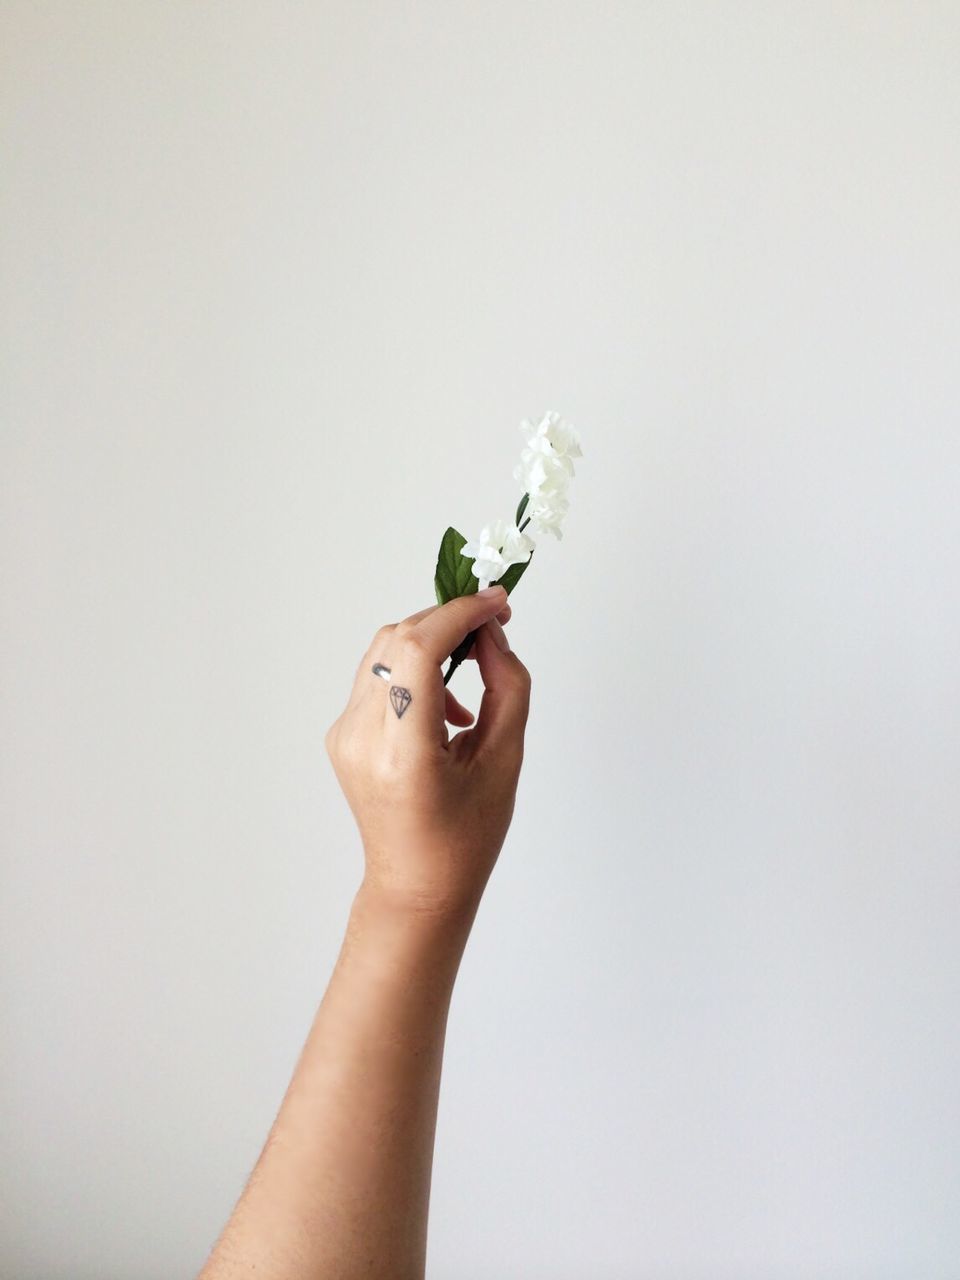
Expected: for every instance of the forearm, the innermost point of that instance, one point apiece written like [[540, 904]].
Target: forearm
[[342, 1186]]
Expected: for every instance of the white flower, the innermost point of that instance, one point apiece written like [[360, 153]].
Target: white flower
[[546, 462], [499, 545], [546, 512], [540, 468], [545, 469], [557, 432]]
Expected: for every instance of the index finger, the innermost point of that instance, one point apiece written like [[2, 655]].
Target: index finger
[[415, 701], [439, 633]]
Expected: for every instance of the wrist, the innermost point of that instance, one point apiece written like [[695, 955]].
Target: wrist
[[422, 881], [415, 923]]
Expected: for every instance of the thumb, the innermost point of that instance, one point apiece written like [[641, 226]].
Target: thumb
[[506, 691]]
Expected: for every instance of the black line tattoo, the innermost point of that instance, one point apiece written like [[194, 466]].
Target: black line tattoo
[[401, 699]]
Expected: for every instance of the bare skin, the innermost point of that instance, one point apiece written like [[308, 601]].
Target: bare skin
[[342, 1187]]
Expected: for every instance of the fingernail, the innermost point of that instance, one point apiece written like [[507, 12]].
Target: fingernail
[[499, 636], [489, 592]]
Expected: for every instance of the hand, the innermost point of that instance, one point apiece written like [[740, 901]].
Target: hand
[[433, 811]]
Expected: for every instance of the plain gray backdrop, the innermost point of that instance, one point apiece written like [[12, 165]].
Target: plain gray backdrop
[[279, 281]]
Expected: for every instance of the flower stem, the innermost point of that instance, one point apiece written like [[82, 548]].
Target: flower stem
[[459, 654]]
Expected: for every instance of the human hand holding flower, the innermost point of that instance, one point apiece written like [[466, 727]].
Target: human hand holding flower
[[433, 811]]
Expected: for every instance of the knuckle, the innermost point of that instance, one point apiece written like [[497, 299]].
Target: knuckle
[[350, 750], [383, 635], [521, 674], [342, 746], [412, 644]]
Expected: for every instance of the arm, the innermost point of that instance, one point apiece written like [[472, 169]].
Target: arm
[[342, 1186]]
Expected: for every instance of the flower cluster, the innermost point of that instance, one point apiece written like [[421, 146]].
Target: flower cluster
[[502, 552], [544, 471], [499, 546]]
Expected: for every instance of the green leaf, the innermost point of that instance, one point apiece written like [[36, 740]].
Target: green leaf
[[454, 576], [513, 575], [522, 507]]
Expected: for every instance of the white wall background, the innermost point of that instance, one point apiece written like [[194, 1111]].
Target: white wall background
[[278, 282]]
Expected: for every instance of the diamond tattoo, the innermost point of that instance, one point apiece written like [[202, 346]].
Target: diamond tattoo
[[401, 699]]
